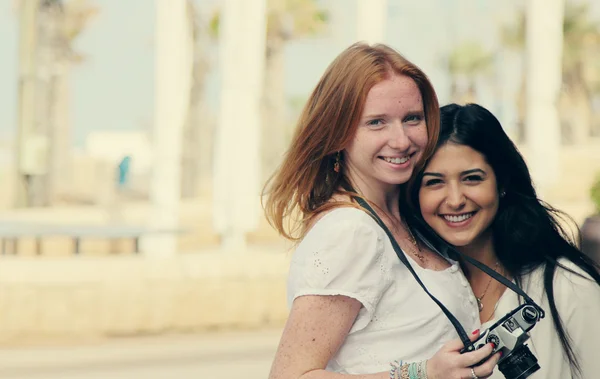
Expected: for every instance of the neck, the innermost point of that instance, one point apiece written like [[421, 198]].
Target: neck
[[386, 199], [482, 250]]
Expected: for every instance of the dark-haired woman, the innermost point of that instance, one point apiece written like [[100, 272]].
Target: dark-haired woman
[[477, 194]]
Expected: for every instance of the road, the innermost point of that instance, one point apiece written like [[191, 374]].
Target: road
[[227, 355]]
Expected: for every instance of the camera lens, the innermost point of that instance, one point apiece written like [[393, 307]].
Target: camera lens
[[519, 364]]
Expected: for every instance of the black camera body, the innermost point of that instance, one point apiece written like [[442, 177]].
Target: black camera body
[[509, 335]]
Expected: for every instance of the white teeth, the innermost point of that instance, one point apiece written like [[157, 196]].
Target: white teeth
[[396, 160], [459, 218]]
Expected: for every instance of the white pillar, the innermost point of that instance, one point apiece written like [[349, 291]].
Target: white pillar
[[173, 62], [371, 16], [544, 37], [237, 179]]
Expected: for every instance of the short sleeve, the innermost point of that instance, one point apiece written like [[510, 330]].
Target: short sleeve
[[578, 302], [343, 254]]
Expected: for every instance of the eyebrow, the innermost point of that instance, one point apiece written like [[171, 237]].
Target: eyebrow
[[415, 113], [473, 171], [467, 172], [384, 115], [373, 116]]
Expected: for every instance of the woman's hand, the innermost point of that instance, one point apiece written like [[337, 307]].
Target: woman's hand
[[449, 363]]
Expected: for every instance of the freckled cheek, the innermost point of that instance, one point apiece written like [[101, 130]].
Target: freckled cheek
[[419, 137]]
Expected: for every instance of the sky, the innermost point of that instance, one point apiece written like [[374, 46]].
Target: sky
[[113, 88]]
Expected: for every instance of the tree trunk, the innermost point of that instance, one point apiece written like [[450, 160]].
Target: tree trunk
[[191, 151], [190, 154], [237, 175], [60, 138], [371, 20], [522, 110], [454, 93], [173, 64], [50, 55], [544, 75], [576, 110]]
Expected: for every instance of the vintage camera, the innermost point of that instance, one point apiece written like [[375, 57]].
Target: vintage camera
[[509, 335]]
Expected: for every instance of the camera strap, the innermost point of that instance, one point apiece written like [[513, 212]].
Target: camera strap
[[457, 326], [494, 274]]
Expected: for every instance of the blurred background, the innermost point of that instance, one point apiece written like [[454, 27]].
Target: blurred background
[[136, 136]]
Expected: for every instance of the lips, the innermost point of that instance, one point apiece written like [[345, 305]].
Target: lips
[[458, 218], [396, 160]]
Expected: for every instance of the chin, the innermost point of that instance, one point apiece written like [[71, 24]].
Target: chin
[[402, 181], [457, 242], [404, 178], [395, 181]]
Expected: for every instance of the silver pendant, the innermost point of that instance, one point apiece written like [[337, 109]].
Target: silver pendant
[[479, 304]]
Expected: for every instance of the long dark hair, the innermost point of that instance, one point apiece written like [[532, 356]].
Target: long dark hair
[[526, 231]]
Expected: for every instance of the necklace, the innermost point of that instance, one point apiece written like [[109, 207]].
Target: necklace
[[480, 298], [417, 250]]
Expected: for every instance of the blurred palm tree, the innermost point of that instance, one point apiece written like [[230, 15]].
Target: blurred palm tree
[[198, 131], [77, 15], [468, 63], [581, 51], [59, 24], [286, 20]]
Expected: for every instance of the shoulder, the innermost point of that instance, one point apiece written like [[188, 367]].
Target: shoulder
[[347, 213], [342, 232], [573, 287], [343, 220], [568, 272], [342, 254]]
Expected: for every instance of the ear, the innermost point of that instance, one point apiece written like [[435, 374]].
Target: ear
[[503, 184], [501, 190]]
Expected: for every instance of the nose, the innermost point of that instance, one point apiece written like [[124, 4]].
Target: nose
[[398, 138], [455, 199]]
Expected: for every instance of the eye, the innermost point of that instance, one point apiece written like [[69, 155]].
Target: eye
[[413, 119], [431, 182], [375, 122], [473, 178]]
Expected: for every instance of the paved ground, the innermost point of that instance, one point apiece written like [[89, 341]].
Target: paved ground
[[228, 355]]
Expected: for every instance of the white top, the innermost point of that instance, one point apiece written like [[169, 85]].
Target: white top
[[347, 253], [578, 303]]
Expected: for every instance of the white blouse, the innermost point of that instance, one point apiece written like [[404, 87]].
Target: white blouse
[[578, 302], [347, 253]]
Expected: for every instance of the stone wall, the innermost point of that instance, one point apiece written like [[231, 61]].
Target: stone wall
[[82, 297]]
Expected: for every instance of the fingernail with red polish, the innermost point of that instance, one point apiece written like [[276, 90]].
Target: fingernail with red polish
[[475, 331]]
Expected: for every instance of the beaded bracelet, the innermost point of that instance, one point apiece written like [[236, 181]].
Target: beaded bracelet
[[414, 370], [422, 370], [404, 371], [394, 370]]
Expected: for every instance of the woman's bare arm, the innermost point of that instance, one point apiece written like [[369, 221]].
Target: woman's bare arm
[[315, 330], [317, 327]]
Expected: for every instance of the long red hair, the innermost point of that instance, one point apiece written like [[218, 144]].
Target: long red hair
[[305, 182]]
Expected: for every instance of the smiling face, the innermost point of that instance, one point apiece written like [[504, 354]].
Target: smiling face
[[390, 137], [459, 196]]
